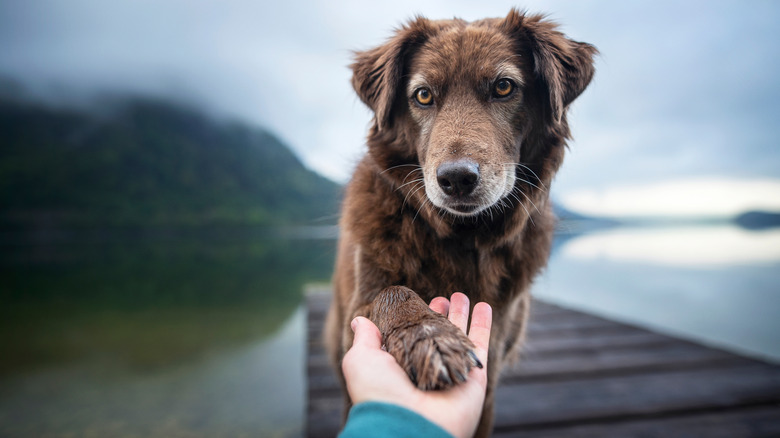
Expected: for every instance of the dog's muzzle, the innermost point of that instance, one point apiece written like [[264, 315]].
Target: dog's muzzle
[[458, 179]]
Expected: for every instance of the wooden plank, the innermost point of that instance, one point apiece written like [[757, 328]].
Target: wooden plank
[[324, 403], [324, 417], [543, 308], [547, 403], [323, 381], [759, 421], [672, 356], [582, 375], [592, 330], [580, 342], [572, 322], [540, 405], [604, 362]]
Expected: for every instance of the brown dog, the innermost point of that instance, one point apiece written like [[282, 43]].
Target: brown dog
[[469, 129]]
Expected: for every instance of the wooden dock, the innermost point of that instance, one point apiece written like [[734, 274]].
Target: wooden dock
[[585, 376]]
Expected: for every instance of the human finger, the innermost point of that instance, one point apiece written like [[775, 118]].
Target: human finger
[[479, 332], [366, 333], [459, 310], [440, 305]]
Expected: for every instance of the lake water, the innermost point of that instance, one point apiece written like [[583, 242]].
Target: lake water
[[717, 284], [170, 335], [184, 336]]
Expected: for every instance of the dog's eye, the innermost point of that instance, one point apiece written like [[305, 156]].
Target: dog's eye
[[503, 88], [423, 96]]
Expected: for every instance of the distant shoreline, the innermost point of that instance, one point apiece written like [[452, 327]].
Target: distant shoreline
[[100, 234], [574, 223]]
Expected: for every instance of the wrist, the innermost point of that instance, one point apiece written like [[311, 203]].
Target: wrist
[[382, 419]]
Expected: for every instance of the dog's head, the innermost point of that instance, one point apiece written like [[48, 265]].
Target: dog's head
[[480, 106]]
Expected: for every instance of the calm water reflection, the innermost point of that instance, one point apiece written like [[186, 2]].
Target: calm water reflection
[[185, 337], [164, 337], [718, 284]]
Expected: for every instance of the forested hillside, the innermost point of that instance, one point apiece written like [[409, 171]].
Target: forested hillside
[[143, 162]]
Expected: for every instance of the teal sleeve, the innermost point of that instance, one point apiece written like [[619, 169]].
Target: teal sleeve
[[384, 420]]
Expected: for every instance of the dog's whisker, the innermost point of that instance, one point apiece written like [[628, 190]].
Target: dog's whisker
[[530, 218], [522, 204], [417, 169], [523, 167], [531, 201], [526, 197], [413, 191], [396, 167], [407, 177], [531, 184], [420, 180], [498, 206], [411, 182], [517, 198], [425, 200], [504, 206]]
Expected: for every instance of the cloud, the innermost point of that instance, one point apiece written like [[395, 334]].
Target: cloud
[[701, 197], [677, 97], [682, 89], [693, 247]]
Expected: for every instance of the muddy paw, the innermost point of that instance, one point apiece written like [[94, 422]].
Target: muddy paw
[[434, 352]]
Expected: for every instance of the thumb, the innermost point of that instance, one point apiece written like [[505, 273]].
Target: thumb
[[366, 333]]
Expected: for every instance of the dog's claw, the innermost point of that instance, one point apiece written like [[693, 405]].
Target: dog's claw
[[433, 351], [437, 360], [475, 359], [444, 377]]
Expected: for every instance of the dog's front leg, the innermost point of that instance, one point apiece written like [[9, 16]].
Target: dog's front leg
[[434, 352]]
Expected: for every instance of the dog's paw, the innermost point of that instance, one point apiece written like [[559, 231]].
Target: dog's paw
[[434, 352]]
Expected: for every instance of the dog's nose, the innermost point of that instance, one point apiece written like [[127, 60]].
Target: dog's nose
[[458, 178]]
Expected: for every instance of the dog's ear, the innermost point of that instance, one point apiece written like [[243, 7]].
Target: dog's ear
[[562, 67], [377, 73]]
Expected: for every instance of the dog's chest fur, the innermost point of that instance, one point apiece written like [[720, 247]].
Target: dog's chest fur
[[398, 245]]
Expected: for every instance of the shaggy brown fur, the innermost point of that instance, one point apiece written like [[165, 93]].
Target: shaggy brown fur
[[469, 130]]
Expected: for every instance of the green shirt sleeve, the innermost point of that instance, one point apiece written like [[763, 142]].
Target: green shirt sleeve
[[384, 420]]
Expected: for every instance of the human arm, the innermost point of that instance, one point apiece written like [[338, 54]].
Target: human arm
[[373, 375]]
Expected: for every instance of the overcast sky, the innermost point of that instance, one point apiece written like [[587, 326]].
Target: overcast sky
[[683, 90]]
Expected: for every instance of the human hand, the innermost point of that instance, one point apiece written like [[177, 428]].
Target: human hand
[[372, 374]]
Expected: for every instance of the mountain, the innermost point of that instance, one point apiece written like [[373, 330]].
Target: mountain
[[570, 222], [146, 162], [758, 220]]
